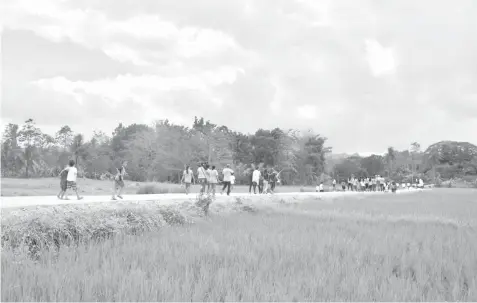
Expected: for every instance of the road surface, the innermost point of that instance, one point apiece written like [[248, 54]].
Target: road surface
[[24, 201]]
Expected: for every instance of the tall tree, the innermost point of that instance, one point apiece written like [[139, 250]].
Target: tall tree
[[30, 137], [64, 137]]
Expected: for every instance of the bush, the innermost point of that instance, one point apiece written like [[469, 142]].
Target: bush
[[159, 188]]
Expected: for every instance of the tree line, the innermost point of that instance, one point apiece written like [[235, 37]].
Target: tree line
[[159, 152]]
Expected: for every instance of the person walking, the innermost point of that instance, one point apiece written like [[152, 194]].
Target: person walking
[[118, 185], [71, 180], [202, 177], [213, 180], [228, 174], [187, 178], [255, 179], [63, 183]]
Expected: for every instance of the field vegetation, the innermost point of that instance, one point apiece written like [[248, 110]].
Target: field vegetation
[[409, 247]]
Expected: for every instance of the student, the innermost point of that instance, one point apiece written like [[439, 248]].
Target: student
[[228, 177], [250, 179], [213, 180], [320, 188], [232, 181], [187, 178], [63, 183], [208, 172], [255, 179], [343, 185], [202, 177], [119, 180], [272, 180], [260, 183], [334, 184], [71, 180], [266, 177]]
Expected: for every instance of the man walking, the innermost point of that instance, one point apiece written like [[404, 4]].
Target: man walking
[[227, 172]]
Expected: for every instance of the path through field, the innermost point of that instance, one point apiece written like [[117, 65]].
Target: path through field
[[25, 201]]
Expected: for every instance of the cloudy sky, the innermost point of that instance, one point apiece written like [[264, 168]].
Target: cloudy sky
[[366, 74]]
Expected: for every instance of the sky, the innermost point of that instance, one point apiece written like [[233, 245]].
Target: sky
[[365, 74]]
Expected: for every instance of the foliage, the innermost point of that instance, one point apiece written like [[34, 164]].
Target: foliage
[[161, 151]]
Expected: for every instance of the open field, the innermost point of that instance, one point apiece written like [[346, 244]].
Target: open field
[[50, 187], [420, 246]]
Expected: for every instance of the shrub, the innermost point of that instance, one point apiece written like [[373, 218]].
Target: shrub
[[159, 188]]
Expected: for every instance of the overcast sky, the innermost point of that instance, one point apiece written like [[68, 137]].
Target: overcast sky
[[365, 74]]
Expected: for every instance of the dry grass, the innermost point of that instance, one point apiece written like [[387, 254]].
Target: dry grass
[[367, 248]]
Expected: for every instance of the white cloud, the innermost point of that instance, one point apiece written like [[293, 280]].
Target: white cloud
[[381, 60], [93, 30], [141, 89], [307, 111]]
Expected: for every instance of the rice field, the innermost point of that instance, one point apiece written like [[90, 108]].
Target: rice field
[[412, 247]]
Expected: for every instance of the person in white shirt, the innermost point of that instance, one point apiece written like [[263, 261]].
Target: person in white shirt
[[202, 177], [255, 179], [421, 183], [228, 174], [71, 180], [187, 178], [320, 188], [334, 184], [213, 180]]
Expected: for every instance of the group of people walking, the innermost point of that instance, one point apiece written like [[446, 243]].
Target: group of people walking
[[208, 178]]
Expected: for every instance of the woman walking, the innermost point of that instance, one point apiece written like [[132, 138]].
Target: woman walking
[[187, 178]]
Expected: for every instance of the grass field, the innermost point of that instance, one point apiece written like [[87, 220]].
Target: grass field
[[413, 247], [50, 187]]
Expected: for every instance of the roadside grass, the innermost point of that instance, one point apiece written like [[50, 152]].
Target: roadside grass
[[367, 248], [88, 187]]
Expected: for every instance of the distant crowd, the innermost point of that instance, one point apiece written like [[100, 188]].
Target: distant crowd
[[376, 183]]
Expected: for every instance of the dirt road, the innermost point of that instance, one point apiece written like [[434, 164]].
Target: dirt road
[[25, 201]]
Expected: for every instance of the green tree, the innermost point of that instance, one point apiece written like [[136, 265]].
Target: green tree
[[30, 137], [64, 137]]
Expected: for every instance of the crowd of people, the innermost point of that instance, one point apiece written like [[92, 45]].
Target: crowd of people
[[260, 180], [263, 180], [376, 183]]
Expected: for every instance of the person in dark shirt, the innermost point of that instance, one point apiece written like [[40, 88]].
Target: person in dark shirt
[[272, 179], [63, 183]]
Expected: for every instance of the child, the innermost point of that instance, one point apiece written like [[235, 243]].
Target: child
[[71, 180], [63, 183], [119, 181]]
